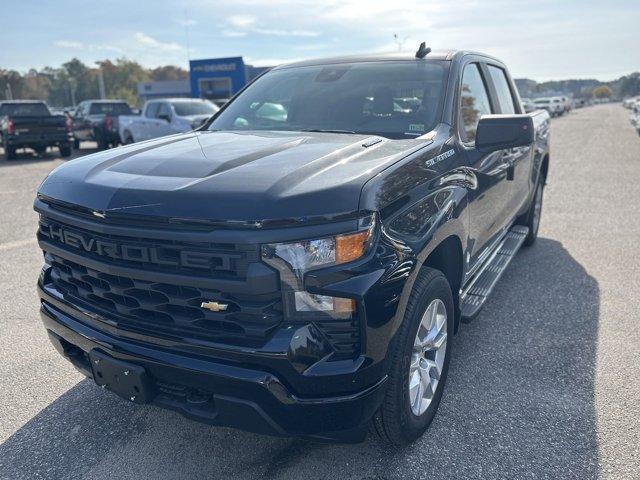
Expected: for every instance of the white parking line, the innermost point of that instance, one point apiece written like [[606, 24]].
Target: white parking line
[[16, 244]]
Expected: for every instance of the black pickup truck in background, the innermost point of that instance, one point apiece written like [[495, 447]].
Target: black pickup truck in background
[[30, 124], [97, 121], [301, 273]]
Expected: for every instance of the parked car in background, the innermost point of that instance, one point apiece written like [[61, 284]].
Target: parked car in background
[[528, 105], [30, 124], [634, 118], [553, 105], [165, 117], [302, 275], [97, 121]]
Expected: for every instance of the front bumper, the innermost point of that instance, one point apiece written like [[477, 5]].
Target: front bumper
[[215, 391]]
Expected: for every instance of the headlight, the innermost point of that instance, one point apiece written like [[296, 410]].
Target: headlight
[[294, 259]]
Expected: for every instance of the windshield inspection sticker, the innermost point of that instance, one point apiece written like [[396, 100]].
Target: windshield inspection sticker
[[439, 158]]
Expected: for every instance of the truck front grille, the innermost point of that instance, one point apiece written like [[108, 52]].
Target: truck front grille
[[156, 287], [161, 309]]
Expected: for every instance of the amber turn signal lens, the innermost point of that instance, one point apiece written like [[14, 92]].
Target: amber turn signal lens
[[344, 305], [351, 247]]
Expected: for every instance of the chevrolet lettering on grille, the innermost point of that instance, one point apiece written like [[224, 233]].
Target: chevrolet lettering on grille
[[158, 255]]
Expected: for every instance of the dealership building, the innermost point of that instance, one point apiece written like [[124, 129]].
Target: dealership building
[[213, 78]]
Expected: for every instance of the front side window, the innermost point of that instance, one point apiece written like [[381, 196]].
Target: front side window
[[474, 102], [505, 99], [164, 111], [394, 99], [152, 110]]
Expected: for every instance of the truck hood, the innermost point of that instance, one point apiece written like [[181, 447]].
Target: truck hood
[[229, 176]]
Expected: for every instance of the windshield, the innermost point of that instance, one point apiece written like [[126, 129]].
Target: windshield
[[119, 108], [396, 99], [542, 100], [184, 109], [24, 110]]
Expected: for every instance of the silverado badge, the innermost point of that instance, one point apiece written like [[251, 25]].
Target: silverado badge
[[214, 306]]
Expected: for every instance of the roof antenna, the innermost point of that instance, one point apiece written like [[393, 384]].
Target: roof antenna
[[423, 50]]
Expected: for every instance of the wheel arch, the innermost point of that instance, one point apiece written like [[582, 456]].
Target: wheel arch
[[447, 257]]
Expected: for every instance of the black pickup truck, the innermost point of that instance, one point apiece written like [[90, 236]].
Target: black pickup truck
[[97, 121], [304, 273], [30, 124]]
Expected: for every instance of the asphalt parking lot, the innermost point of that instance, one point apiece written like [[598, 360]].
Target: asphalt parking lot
[[545, 383]]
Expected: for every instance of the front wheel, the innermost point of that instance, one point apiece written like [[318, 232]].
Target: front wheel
[[420, 362]]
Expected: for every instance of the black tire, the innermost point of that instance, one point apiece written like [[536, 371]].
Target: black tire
[[529, 219], [65, 150], [76, 144], [128, 139], [41, 151], [395, 422], [101, 141], [9, 153]]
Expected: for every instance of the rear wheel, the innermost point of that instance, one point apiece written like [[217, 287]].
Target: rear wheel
[[76, 144], [531, 219], [41, 151], [9, 152], [101, 141], [65, 150], [128, 139], [420, 362]]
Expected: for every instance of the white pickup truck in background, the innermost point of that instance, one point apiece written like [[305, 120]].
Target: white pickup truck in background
[[165, 117]]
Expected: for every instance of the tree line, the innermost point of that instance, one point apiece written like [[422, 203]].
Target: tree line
[[74, 81], [625, 86]]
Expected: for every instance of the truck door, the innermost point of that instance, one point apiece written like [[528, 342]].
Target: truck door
[[488, 203], [519, 159], [163, 121], [148, 123], [81, 124]]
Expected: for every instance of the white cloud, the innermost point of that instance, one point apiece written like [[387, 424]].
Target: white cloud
[[227, 32], [241, 21], [284, 33], [69, 44], [146, 41]]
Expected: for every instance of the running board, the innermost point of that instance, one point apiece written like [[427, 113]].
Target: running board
[[476, 293]]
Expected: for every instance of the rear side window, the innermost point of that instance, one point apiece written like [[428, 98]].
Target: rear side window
[[24, 110], [505, 99], [474, 102], [109, 109]]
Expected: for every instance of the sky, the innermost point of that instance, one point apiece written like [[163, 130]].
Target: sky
[[541, 39]]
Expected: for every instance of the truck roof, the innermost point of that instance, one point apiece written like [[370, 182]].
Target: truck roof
[[381, 57]]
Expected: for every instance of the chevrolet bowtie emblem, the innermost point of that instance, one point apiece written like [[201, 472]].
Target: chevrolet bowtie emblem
[[214, 306]]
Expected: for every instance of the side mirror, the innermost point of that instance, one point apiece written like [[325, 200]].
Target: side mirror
[[498, 132], [165, 117]]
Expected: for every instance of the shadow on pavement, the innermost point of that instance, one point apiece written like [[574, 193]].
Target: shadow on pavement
[[519, 403]]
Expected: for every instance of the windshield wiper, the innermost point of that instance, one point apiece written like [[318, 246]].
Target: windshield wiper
[[325, 131]]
